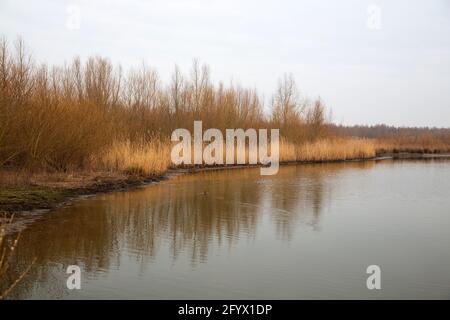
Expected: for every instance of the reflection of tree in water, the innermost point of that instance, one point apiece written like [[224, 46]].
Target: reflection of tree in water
[[301, 192], [186, 215]]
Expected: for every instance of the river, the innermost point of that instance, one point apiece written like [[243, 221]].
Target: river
[[308, 232]]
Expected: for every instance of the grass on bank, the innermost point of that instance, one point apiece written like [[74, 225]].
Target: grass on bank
[[28, 198]]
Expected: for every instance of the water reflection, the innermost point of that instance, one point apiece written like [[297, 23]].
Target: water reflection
[[187, 215]]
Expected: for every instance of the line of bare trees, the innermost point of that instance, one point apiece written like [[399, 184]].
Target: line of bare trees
[[59, 117], [390, 138]]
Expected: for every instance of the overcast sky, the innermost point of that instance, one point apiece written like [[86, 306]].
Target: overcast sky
[[370, 61]]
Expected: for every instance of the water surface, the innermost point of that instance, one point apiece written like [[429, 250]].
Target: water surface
[[308, 232]]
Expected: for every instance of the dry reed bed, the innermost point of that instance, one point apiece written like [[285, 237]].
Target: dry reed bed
[[154, 158], [327, 150], [92, 115], [59, 117]]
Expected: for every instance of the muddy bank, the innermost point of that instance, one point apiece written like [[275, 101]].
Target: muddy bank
[[414, 155], [44, 197]]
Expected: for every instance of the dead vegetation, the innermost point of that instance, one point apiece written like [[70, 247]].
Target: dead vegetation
[[93, 117]]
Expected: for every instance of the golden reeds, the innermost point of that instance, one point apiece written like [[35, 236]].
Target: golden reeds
[[92, 115], [327, 150], [88, 115], [152, 158]]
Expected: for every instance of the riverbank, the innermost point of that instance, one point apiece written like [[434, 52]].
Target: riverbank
[[50, 191], [53, 192]]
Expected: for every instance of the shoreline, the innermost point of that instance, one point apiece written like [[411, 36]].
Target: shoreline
[[31, 199]]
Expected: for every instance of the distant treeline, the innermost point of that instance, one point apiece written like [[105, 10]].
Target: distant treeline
[[390, 138], [382, 131]]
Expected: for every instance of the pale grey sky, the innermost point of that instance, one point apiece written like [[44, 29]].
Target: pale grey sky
[[370, 61]]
